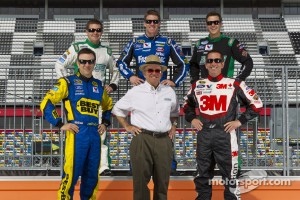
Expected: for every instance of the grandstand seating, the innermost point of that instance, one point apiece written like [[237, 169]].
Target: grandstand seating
[[295, 38], [24, 87], [18, 35], [6, 42]]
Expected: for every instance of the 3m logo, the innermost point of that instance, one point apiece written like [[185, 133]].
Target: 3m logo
[[221, 86], [251, 92], [212, 103]]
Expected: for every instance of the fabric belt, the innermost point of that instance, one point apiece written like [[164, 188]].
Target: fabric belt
[[212, 126], [155, 134]]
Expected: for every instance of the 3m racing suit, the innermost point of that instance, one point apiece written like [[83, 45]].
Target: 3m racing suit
[[85, 102], [217, 101], [104, 60], [232, 50], [162, 46]]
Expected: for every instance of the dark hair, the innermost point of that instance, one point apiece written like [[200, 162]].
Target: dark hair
[[215, 51], [86, 51], [214, 13], [152, 12], [93, 21]]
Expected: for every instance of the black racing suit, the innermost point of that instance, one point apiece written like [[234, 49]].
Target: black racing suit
[[217, 101], [230, 48]]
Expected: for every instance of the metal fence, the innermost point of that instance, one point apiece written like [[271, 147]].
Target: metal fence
[[269, 142]]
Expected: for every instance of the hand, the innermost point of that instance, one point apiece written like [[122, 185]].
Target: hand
[[232, 125], [197, 124], [133, 129], [70, 127], [172, 132], [108, 89], [101, 129], [134, 80], [168, 82]]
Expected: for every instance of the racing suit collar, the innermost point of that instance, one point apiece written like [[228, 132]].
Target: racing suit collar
[[92, 44], [83, 77], [215, 39], [152, 38], [215, 79]]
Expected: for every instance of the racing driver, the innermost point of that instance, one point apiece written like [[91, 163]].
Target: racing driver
[[88, 109], [217, 97]]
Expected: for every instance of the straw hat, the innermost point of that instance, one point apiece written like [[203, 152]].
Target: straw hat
[[153, 60]]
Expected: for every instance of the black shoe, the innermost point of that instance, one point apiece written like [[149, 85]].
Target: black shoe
[[106, 172]]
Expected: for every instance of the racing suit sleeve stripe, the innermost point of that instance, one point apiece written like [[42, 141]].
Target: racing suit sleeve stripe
[[64, 61], [124, 60], [241, 55], [52, 97], [252, 100], [69, 111], [115, 74], [106, 105], [182, 66], [190, 104], [194, 66]]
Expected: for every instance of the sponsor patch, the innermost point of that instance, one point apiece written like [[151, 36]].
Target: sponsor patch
[[160, 49], [147, 45], [209, 47], [200, 86], [94, 83], [55, 88], [255, 97], [140, 41], [61, 59], [95, 90], [77, 82]]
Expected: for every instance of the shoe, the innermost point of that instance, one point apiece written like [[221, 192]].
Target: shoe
[[106, 172]]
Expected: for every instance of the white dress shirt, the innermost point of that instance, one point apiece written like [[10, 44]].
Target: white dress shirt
[[150, 108]]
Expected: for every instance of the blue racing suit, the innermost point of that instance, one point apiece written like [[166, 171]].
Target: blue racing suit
[[162, 46], [86, 104]]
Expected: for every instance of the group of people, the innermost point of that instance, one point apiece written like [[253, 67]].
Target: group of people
[[153, 107]]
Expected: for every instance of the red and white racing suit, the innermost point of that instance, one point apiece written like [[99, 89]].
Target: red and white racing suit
[[217, 101]]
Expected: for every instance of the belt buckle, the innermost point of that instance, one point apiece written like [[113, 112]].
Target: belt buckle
[[154, 134]]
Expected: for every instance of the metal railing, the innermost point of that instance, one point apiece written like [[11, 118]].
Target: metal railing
[[270, 142]]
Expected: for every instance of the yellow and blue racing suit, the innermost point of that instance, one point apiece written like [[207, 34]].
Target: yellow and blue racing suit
[[86, 104]]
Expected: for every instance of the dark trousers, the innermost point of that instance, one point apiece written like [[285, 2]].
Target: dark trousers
[[150, 156], [216, 146]]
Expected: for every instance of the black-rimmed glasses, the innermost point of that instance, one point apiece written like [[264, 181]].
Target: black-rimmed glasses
[[92, 30], [216, 60], [83, 62], [209, 23], [148, 21]]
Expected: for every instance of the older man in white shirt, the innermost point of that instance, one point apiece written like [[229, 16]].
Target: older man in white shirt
[[154, 111]]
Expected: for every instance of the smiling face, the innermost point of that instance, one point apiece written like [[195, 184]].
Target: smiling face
[[93, 33], [86, 64], [213, 25], [214, 64], [152, 24], [153, 73]]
